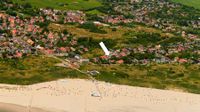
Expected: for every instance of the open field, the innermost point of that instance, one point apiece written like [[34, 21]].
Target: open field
[[117, 35], [62, 4], [86, 4], [80, 32], [192, 3]]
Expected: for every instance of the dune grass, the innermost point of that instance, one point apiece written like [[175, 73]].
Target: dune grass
[[33, 69], [36, 69], [162, 76]]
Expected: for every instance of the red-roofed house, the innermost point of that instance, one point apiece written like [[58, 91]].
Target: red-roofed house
[[120, 61], [182, 61]]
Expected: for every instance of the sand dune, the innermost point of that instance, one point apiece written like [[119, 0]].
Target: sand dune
[[74, 95]]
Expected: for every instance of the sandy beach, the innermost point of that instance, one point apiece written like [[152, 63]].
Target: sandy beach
[[4, 107], [75, 95]]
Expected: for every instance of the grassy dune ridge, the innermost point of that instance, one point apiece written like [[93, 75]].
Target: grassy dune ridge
[[35, 69]]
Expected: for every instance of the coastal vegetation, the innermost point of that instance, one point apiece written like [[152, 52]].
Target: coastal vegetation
[[36, 69], [33, 69]]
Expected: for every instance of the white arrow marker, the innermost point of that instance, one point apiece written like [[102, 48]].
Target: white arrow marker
[[104, 48]]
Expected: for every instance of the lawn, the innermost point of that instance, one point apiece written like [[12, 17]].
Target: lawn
[[62, 4], [192, 3], [94, 12]]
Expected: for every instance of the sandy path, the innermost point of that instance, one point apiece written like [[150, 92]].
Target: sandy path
[[74, 95]]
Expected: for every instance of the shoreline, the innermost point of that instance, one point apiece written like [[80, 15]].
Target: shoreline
[[66, 95]]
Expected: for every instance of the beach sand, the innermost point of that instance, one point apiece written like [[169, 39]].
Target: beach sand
[[74, 95], [15, 108]]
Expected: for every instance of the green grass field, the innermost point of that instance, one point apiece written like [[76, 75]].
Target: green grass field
[[193, 3], [62, 4]]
